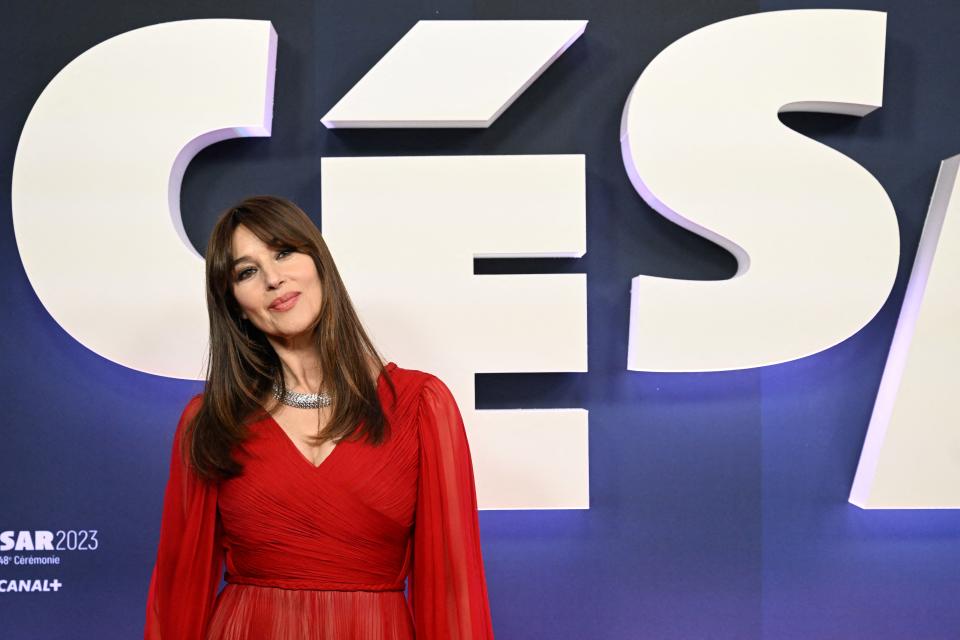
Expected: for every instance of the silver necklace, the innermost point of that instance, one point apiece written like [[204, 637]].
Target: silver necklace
[[302, 400]]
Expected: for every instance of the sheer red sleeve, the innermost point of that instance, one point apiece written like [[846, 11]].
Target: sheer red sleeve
[[187, 571], [447, 586]]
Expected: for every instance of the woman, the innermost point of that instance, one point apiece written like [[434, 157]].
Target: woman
[[317, 476]]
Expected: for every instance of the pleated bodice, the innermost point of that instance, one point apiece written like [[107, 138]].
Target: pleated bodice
[[288, 523]]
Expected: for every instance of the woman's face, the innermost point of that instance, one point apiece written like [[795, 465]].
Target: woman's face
[[278, 290]]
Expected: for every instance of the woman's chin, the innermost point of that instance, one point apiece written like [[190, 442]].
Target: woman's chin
[[298, 332]]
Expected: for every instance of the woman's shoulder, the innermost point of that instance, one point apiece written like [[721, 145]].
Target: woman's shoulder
[[189, 411], [431, 406], [419, 390], [193, 405], [413, 379]]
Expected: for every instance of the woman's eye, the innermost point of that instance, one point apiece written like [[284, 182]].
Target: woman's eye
[[242, 275]]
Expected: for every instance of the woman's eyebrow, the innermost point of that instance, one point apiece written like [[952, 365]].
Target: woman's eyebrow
[[236, 261]]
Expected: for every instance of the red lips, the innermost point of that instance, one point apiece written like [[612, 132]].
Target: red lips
[[284, 299]]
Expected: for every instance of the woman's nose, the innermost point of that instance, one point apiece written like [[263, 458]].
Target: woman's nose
[[273, 278]]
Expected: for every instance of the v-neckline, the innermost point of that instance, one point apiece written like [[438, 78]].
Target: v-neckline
[[283, 434]]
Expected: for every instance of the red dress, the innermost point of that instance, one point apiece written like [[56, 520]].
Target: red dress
[[322, 551]]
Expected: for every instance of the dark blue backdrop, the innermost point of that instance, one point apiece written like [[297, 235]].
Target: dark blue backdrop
[[719, 501]]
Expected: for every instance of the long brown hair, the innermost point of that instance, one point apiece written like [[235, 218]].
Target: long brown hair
[[242, 365]]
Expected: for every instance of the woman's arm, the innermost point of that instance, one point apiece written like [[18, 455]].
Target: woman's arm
[[447, 585], [189, 561]]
